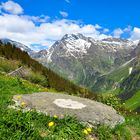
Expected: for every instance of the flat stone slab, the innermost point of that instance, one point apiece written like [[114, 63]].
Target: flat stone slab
[[60, 104]]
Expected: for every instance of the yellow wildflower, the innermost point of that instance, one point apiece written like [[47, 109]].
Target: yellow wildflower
[[18, 97], [23, 103], [89, 129], [85, 132], [50, 124], [55, 116]]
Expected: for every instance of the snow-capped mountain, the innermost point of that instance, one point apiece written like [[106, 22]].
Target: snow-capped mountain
[[18, 45], [84, 59], [77, 45]]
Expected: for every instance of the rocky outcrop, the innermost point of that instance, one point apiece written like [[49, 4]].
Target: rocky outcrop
[[20, 72], [85, 110]]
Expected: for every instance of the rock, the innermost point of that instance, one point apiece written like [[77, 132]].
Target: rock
[[85, 110], [20, 72]]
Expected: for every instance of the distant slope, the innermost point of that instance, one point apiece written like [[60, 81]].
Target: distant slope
[[124, 81], [131, 84], [113, 79]]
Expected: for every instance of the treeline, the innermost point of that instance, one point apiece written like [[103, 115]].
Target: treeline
[[54, 80]]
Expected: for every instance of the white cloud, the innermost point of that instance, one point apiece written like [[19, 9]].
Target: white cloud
[[127, 29], [61, 27], [105, 30], [39, 19], [11, 7], [117, 33], [68, 1], [98, 26], [64, 14], [135, 34], [15, 24]]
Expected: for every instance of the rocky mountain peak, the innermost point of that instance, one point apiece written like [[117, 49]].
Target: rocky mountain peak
[[71, 45], [73, 37]]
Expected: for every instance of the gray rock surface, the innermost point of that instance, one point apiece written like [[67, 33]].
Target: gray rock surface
[[85, 110]]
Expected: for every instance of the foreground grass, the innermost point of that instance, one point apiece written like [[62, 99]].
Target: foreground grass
[[31, 125], [133, 123]]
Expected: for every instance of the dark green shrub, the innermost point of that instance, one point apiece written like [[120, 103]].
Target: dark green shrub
[[111, 100], [37, 78]]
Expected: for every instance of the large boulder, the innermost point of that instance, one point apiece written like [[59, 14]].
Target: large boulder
[[85, 110]]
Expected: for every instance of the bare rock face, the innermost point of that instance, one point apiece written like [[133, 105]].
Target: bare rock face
[[85, 110]]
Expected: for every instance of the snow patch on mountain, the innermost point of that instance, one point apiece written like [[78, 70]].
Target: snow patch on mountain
[[130, 70], [78, 45], [49, 55]]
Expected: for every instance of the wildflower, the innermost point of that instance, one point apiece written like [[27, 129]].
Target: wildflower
[[23, 103], [89, 129], [85, 132], [136, 113], [55, 116], [123, 103], [18, 97], [50, 124]]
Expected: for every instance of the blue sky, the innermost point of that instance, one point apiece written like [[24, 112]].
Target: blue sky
[[39, 23], [108, 13]]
